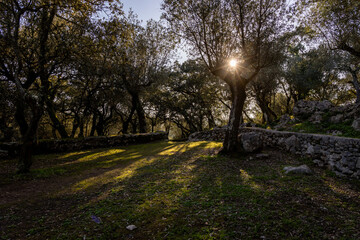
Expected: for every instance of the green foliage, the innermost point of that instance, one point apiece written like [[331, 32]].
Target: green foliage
[[336, 21], [308, 71], [191, 96]]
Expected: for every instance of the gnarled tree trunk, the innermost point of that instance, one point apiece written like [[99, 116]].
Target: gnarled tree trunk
[[355, 82], [139, 112], [55, 120], [238, 94], [28, 132]]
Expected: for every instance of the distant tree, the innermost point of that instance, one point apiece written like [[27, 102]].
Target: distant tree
[[355, 71], [306, 71], [139, 57], [219, 30], [350, 65], [190, 96], [264, 88]]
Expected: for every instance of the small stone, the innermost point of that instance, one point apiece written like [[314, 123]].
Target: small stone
[[319, 162], [131, 227], [323, 208], [334, 132], [262, 155], [96, 219], [303, 169], [310, 150]]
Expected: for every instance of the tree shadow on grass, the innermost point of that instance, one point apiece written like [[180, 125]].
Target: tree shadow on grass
[[98, 180], [184, 191], [212, 197], [50, 165]]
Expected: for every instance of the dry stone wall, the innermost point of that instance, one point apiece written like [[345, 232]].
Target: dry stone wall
[[341, 154], [67, 145]]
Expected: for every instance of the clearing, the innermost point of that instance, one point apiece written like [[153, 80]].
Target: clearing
[[175, 190]]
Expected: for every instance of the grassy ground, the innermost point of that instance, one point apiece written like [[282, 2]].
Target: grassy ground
[[175, 191], [326, 127]]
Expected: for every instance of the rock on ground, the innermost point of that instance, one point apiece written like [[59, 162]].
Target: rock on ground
[[303, 109], [303, 169], [251, 142], [131, 227], [356, 124]]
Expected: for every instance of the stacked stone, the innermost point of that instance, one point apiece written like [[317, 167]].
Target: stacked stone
[[340, 154], [68, 145]]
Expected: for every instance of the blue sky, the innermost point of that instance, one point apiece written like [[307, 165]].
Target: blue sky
[[145, 9]]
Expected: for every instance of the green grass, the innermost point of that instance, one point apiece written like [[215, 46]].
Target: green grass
[[325, 127], [179, 190]]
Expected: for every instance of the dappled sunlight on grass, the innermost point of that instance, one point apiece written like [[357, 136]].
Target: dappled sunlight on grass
[[184, 190], [95, 156], [341, 189], [128, 157], [114, 175], [247, 179], [188, 146], [72, 154], [136, 160]]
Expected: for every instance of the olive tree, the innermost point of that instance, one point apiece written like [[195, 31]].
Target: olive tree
[[36, 39], [219, 30]]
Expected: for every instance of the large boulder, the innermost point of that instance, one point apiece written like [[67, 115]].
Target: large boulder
[[316, 117], [283, 121], [304, 109], [356, 124], [251, 142], [337, 118]]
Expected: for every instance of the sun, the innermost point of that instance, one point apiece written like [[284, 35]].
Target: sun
[[233, 63]]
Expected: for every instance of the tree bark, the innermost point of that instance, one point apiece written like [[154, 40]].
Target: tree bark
[[93, 125], [231, 136], [139, 112], [134, 125], [56, 122], [100, 126], [268, 114], [81, 128], [75, 126], [355, 83], [211, 121], [28, 133], [126, 123]]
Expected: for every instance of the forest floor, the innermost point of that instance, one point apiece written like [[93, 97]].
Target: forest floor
[[175, 190]]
